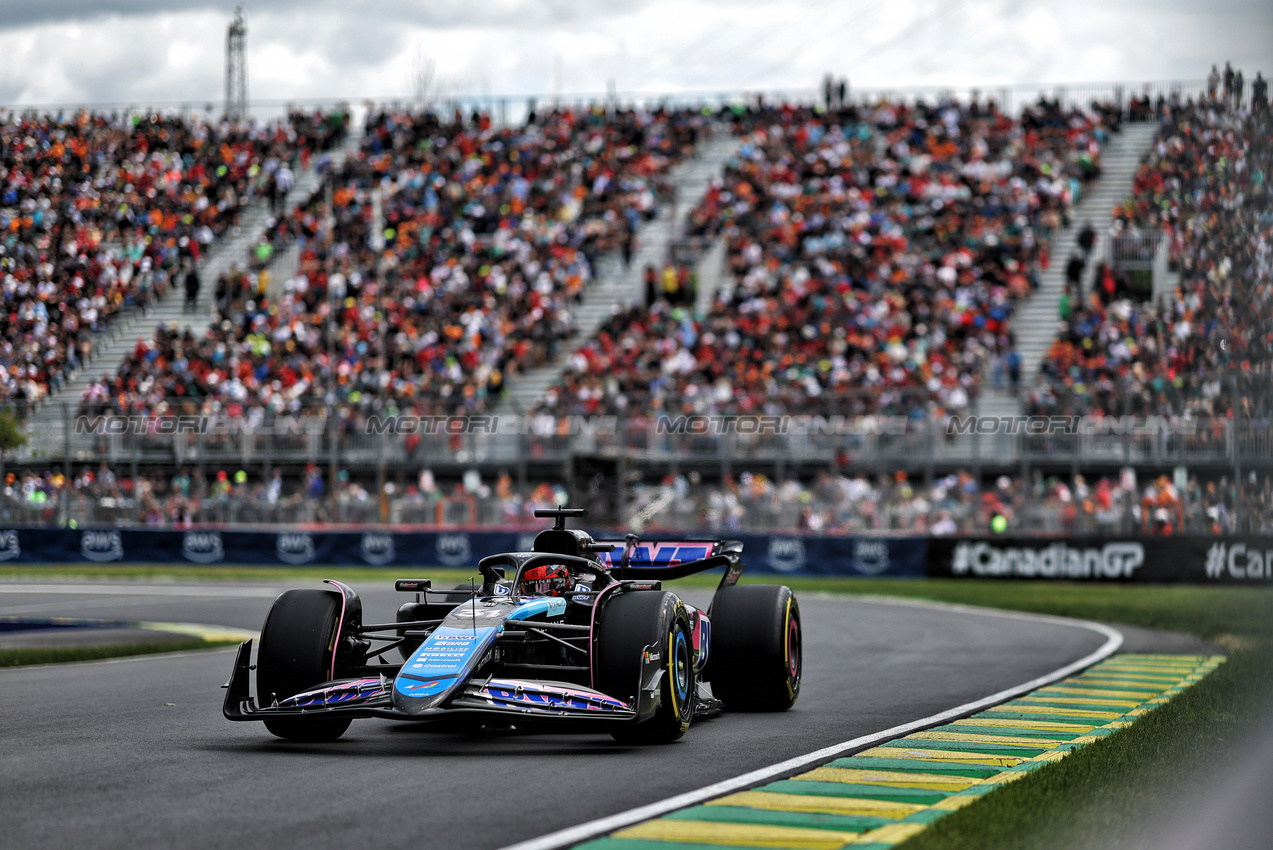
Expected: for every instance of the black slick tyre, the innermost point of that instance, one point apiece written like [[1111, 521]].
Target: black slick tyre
[[756, 659], [295, 654], [629, 624]]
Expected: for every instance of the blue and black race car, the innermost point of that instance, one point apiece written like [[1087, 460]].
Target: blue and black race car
[[577, 634]]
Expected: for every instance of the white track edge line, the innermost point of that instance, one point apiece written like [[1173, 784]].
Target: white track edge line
[[591, 829]]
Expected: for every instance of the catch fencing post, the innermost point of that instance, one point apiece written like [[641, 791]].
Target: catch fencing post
[[1234, 442], [66, 443]]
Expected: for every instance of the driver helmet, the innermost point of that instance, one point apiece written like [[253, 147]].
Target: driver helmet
[[548, 580]]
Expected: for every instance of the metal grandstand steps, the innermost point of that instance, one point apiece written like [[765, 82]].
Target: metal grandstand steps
[[712, 275], [617, 287], [113, 347], [284, 265], [998, 402], [1035, 321]]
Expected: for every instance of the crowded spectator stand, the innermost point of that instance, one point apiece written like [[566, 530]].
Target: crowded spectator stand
[[875, 247], [103, 213], [1204, 350], [441, 258]]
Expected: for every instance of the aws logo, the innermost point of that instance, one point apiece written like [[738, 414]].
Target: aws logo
[[786, 554], [102, 545], [10, 549], [377, 549], [295, 548], [454, 550], [870, 556], [202, 547]]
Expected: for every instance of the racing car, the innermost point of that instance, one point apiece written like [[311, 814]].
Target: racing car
[[575, 635]]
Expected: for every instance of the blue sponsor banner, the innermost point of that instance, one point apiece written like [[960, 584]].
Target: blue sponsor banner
[[809, 555], [773, 554]]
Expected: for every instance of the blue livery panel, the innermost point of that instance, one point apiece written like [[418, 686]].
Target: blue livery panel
[[447, 658], [549, 606], [444, 660]]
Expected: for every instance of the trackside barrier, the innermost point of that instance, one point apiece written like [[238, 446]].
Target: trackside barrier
[[1197, 560], [793, 555], [1157, 560]]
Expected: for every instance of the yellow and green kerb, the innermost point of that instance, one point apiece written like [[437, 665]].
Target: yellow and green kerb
[[883, 796]]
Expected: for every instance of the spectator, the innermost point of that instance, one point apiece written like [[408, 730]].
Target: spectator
[[1014, 370], [1074, 275], [191, 286], [1087, 240]]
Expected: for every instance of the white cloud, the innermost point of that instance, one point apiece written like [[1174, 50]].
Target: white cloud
[[58, 51]]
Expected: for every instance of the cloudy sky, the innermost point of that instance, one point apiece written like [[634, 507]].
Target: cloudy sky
[[151, 51]]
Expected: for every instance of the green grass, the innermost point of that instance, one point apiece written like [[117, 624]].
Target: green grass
[[1105, 793], [63, 654]]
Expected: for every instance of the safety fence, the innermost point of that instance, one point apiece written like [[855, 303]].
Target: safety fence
[[1138, 100], [1142, 257], [490, 442], [1199, 560]]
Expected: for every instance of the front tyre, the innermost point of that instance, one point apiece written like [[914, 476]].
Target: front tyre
[[297, 642], [630, 623], [756, 657]]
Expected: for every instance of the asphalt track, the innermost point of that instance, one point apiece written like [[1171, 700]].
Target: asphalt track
[[135, 753]]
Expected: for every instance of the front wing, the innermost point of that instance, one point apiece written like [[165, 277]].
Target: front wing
[[521, 700]]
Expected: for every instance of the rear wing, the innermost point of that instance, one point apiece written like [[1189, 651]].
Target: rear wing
[[670, 559]]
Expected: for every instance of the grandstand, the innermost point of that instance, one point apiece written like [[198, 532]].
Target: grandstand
[[889, 267]]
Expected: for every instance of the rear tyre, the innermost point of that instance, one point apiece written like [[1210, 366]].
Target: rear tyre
[[629, 623], [295, 654], [756, 659]]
